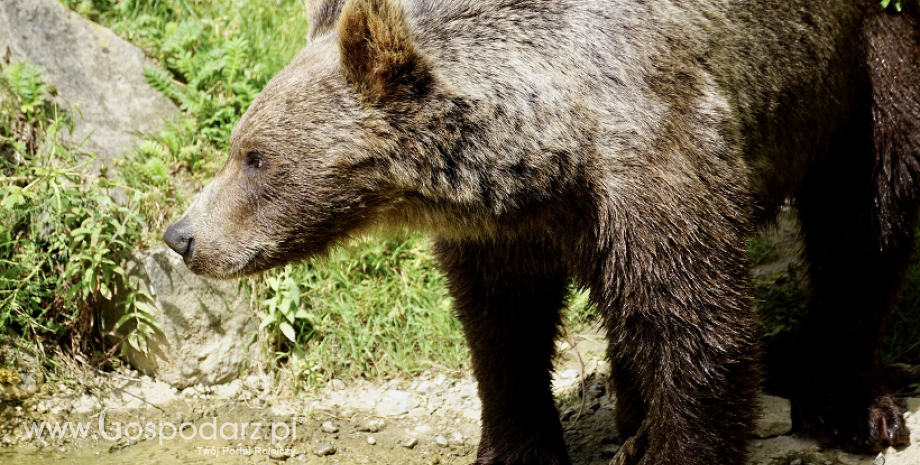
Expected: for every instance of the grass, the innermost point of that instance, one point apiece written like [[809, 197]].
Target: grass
[[375, 309]]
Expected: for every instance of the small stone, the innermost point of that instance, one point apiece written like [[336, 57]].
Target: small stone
[[324, 449], [796, 462], [610, 449], [229, 390], [441, 441], [879, 459], [328, 427], [371, 440], [410, 444], [435, 460], [776, 417], [254, 382], [596, 391], [570, 374], [568, 413], [337, 385], [423, 429], [371, 425]]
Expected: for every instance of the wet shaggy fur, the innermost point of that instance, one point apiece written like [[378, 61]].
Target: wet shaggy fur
[[632, 146]]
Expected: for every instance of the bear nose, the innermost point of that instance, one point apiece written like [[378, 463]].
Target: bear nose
[[179, 238]]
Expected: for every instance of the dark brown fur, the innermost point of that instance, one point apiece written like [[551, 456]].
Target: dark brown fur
[[632, 146], [857, 213]]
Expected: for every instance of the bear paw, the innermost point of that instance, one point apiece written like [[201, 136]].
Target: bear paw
[[860, 427]]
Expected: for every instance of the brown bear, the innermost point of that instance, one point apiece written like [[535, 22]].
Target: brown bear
[[630, 146]]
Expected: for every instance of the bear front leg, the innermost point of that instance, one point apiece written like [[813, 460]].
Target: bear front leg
[[508, 297], [676, 304]]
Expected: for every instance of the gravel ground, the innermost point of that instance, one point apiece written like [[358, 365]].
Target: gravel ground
[[433, 419]]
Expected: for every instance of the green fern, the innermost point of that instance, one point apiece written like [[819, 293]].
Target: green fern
[[236, 50], [184, 62], [162, 81]]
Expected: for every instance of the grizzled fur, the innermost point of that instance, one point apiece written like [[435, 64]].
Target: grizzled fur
[[632, 146]]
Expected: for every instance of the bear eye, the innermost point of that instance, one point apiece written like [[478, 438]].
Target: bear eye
[[256, 160]]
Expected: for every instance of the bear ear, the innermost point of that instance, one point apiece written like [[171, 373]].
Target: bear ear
[[378, 57], [322, 15]]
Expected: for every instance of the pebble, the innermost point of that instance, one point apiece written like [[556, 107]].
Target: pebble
[[796, 462], [411, 443], [324, 449], [371, 425], [371, 440], [596, 390], [328, 427], [423, 429], [879, 460], [568, 413], [569, 374], [441, 441], [610, 449]]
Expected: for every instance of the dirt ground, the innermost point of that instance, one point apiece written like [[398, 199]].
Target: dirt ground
[[430, 420]]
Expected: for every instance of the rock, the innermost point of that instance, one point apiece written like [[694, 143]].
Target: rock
[[254, 382], [202, 322], [371, 425], [568, 413], [424, 429], [86, 405], [20, 374], [371, 440], [441, 441], [324, 449], [610, 449], [229, 390], [569, 374], [775, 419], [328, 427], [89, 66], [596, 391], [879, 460], [390, 408], [410, 443]]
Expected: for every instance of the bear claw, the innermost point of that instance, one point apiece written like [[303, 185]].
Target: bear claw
[[875, 428]]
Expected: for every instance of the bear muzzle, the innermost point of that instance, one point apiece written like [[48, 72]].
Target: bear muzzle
[[179, 238]]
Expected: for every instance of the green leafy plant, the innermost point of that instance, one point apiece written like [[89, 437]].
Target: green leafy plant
[[377, 309], [137, 324], [59, 228], [896, 4]]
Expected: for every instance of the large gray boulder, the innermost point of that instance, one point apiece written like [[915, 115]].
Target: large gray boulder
[[205, 324], [90, 67]]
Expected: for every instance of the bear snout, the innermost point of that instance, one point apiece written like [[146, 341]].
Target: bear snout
[[179, 238]]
